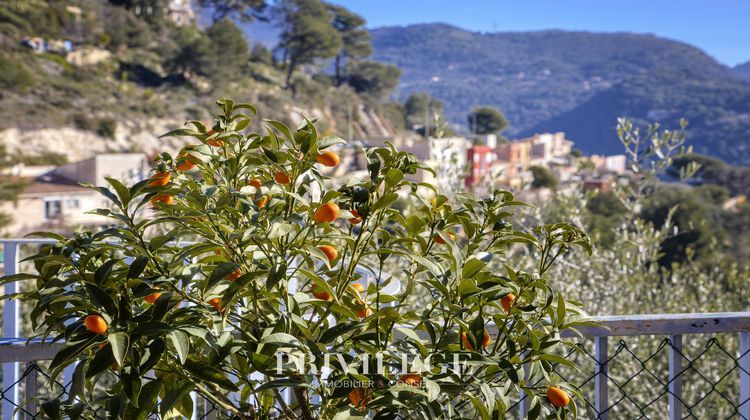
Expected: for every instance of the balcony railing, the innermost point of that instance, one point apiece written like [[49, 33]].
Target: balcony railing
[[636, 366]]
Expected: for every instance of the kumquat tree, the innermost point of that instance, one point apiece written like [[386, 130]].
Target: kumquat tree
[[236, 273]]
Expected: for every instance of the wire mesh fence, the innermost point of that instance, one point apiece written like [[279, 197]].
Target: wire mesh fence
[[637, 375], [639, 383], [35, 387], [704, 374]]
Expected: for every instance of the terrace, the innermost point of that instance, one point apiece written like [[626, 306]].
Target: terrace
[[636, 366]]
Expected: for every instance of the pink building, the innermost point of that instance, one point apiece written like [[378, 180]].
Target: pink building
[[479, 159]]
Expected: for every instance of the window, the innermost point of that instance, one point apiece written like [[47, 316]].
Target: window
[[72, 203], [52, 209]]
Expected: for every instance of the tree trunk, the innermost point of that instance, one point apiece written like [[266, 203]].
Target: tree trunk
[[338, 70], [289, 71]]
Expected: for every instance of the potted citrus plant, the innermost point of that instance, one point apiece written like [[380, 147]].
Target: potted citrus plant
[[236, 272]]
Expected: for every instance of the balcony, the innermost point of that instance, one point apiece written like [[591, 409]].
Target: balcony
[[672, 366]]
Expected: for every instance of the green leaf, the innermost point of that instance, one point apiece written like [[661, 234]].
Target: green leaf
[[279, 229], [339, 330], [206, 372], [282, 128], [276, 274], [70, 352], [77, 383], [174, 394], [222, 270], [101, 299], [122, 191], [181, 344], [393, 177], [146, 401], [329, 141], [560, 310], [102, 273], [101, 361], [180, 132], [51, 409], [281, 383], [384, 202], [475, 264], [47, 235], [119, 342], [151, 328], [281, 339]]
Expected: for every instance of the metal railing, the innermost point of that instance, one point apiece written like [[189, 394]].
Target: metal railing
[[612, 380], [651, 366]]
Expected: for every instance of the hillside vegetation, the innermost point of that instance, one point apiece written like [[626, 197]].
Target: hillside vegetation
[[154, 69], [742, 70], [577, 82]]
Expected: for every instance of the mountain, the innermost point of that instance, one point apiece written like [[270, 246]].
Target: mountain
[[578, 82], [742, 70]]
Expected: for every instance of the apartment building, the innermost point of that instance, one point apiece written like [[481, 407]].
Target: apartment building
[[54, 200]]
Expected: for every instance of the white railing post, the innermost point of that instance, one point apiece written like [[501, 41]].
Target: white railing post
[[744, 364], [675, 377], [30, 394], [11, 323], [525, 401], [601, 398]]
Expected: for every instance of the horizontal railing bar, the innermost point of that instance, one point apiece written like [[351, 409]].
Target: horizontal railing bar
[[28, 241], [22, 352], [666, 324]]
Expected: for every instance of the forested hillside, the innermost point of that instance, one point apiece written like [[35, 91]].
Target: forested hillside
[[577, 82], [742, 70], [107, 75]]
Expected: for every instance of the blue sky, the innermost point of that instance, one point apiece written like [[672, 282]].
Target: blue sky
[[720, 27]]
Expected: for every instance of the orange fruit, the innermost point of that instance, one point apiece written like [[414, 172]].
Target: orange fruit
[[357, 219], [439, 239], [281, 178], [152, 297], [185, 166], [330, 251], [159, 179], [186, 162], [234, 275], [328, 158], [262, 201], [327, 212], [95, 324], [364, 312], [162, 198], [411, 379], [359, 287], [507, 301], [255, 182], [321, 294], [467, 344], [359, 397], [558, 397], [216, 303], [215, 141]]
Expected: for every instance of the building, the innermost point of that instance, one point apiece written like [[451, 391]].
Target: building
[[515, 152], [480, 159], [600, 184], [514, 158], [54, 200], [181, 12], [539, 149], [608, 164]]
